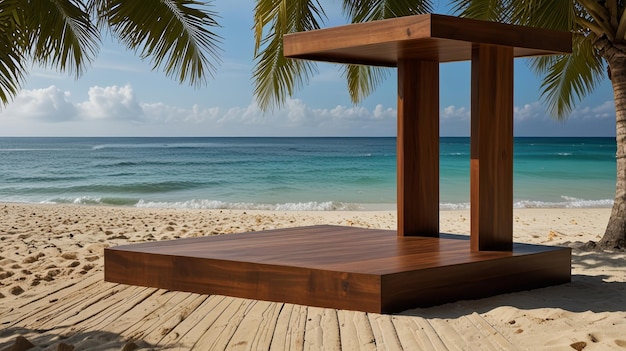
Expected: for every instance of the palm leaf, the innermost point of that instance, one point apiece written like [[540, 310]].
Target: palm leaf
[[569, 78], [549, 14], [371, 10], [276, 77], [363, 80], [599, 14], [61, 34], [174, 34], [488, 10], [621, 27], [14, 42]]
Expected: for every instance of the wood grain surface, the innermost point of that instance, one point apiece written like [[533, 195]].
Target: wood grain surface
[[340, 267], [418, 148], [427, 37], [491, 148]]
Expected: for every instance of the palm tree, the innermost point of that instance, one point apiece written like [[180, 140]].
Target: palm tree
[[276, 77], [66, 34], [599, 38]]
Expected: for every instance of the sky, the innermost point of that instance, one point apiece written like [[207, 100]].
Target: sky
[[120, 95]]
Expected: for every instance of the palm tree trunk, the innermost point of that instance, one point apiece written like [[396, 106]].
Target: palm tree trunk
[[615, 234]]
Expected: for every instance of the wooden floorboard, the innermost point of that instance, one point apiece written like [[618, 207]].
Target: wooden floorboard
[[167, 320], [370, 270]]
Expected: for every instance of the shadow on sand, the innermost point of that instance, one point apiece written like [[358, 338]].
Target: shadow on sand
[[17, 339], [596, 293]]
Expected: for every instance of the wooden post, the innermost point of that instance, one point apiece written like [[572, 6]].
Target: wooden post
[[491, 165], [418, 148]]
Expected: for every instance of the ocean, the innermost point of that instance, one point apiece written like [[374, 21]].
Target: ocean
[[285, 173]]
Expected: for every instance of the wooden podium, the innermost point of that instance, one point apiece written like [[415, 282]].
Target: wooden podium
[[378, 270], [416, 45]]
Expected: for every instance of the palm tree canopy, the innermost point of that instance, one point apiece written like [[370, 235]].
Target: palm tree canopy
[[568, 78], [65, 34], [276, 77]]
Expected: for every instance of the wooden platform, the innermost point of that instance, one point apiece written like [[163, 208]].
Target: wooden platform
[[377, 270], [338, 267]]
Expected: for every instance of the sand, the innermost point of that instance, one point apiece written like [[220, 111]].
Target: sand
[[52, 293]]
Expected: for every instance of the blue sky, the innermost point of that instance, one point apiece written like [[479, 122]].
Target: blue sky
[[121, 96]]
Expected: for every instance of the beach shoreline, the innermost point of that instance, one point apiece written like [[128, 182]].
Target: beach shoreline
[[287, 173], [51, 251]]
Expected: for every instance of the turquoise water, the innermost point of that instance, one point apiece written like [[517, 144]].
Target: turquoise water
[[284, 173]]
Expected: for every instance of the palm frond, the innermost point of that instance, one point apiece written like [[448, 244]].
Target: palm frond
[[363, 80], [276, 77], [372, 10], [488, 10], [569, 78], [614, 12], [600, 16], [15, 42], [62, 35], [621, 27], [174, 34], [549, 14]]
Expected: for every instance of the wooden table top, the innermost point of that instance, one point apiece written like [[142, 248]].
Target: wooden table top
[[426, 37], [350, 249]]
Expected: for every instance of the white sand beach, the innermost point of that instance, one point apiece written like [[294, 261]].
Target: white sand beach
[[53, 295]]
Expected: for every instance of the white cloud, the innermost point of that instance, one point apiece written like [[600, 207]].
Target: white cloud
[[531, 111], [162, 113], [115, 110], [453, 113], [50, 104], [605, 110], [533, 120], [380, 112], [110, 103], [454, 121]]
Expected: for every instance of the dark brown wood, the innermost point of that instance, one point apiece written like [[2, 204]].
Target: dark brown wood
[[418, 148], [491, 164], [376, 270], [416, 44], [427, 37], [338, 267]]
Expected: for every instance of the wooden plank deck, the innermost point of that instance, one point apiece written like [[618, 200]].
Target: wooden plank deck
[[349, 268], [92, 314]]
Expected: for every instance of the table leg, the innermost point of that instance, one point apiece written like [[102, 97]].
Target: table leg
[[418, 148], [491, 164]]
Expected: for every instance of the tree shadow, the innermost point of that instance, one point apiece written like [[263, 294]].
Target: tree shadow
[[596, 293], [50, 340]]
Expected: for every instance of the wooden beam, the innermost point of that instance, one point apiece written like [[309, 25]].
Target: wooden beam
[[418, 148], [491, 164], [427, 37]]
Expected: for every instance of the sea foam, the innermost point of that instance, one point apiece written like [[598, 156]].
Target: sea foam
[[290, 206]]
